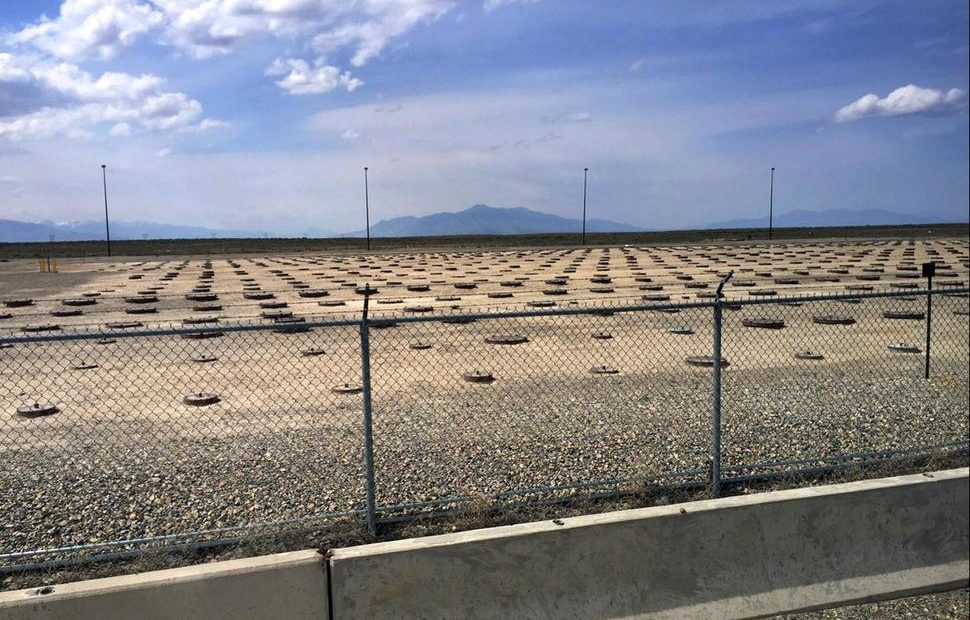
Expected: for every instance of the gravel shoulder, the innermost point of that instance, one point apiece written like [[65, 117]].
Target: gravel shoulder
[[954, 605]]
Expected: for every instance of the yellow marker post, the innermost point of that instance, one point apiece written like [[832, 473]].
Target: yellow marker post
[[55, 266], [43, 266]]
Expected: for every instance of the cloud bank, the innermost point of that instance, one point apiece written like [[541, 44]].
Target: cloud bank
[[42, 74], [58, 98], [101, 29]]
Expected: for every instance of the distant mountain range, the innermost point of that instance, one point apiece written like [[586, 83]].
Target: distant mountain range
[[833, 218], [485, 220], [477, 220], [18, 232]]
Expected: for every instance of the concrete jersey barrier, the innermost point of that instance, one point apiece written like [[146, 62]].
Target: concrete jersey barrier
[[737, 557], [285, 585]]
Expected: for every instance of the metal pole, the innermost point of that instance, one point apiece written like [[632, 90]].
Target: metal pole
[[585, 170], [367, 208], [716, 422], [929, 323], [368, 421], [107, 231], [771, 204]]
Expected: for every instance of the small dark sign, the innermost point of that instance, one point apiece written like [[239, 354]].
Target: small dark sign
[[929, 269]]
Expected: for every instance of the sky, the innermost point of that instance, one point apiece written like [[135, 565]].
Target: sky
[[261, 114]]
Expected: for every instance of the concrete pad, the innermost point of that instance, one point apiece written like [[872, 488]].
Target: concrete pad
[[737, 557], [286, 585]]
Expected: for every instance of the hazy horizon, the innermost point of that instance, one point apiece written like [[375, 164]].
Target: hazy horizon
[[479, 219], [261, 115]]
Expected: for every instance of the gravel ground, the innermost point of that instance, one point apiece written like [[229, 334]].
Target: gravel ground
[[439, 443], [126, 458], [953, 605]]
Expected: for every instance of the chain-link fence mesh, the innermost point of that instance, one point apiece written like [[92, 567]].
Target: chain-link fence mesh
[[179, 432], [949, 343], [547, 403], [481, 407], [810, 379]]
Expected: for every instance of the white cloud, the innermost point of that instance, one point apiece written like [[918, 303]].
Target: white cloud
[[371, 29], [48, 122], [99, 29], [69, 101], [206, 124], [910, 99], [638, 64], [216, 27], [299, 78], [90, 28], [490, 5], [11, 72], [120, 130], [206, 28], [71, 81], [350, 135], [165, 152]]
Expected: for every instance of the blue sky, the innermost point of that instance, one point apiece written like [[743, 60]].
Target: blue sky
[[260, 114]]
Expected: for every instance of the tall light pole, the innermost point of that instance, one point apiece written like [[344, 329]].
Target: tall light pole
[[366, 208], [107, 231], [771, 203], [585, 171]]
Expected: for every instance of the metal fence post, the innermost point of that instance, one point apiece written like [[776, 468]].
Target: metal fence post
[[368, 422], [929, 270], [929, 324], [716, 422]]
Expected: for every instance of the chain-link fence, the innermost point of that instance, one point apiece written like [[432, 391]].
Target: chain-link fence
[[178, 434], [137, 437], [814, 379], [551, 403]]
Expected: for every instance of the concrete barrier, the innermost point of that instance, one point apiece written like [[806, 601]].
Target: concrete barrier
[[285, 585], [737, 557]]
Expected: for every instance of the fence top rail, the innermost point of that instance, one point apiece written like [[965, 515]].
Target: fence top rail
[[661, 306], [94, 334], [546, 312], [471, 316], [810, 297], [381, 319]]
